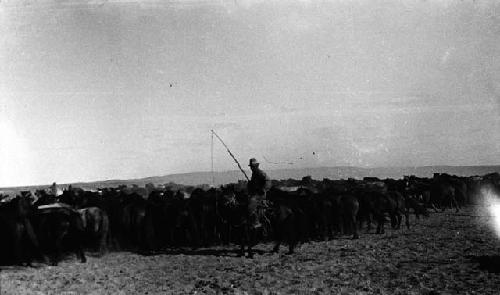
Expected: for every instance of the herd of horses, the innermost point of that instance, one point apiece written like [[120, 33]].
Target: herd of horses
[[40, 226]]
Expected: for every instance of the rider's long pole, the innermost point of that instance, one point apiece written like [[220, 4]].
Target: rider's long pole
[[213, 178], [212, 153], [231, 154]]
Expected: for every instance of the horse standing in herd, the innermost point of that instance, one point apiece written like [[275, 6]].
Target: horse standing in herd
[[40, 225]]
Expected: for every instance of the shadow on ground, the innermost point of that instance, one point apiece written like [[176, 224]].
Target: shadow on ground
[[202, 252], [490, 263]]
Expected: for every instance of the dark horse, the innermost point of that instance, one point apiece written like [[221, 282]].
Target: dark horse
[[58, 225], [20, 244], [247, 235], [96, 226], [289, 221]]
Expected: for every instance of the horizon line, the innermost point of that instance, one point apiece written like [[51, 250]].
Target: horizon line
[[235, 170]]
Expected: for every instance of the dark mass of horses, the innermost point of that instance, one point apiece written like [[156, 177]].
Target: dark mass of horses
[[44, 227]]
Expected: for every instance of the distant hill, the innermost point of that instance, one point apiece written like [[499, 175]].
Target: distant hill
[[198, 178]]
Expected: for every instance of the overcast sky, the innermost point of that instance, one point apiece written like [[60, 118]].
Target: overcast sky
[[125, 89]]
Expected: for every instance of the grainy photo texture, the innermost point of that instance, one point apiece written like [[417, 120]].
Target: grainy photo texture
[[249, 147]]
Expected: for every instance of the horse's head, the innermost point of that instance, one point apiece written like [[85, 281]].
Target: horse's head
[[226, 197], [22, 206]]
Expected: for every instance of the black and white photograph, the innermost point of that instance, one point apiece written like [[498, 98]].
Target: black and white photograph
[[249, 147]]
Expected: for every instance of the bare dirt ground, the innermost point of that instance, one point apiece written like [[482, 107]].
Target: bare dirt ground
[[448, 253]]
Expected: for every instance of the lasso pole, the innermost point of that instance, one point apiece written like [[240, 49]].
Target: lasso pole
[[212, 153], [231, 154]]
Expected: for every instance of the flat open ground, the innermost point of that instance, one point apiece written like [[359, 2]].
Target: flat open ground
[[447, 253]]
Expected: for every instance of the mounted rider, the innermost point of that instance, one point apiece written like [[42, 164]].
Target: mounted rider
[[53, 189], [257, 188]]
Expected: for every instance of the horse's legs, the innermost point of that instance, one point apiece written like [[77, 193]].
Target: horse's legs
[[18, 245], [369, 222], [292, 237], [251, 241], [399, 219], [407, 218], [79, 253], [354, 227], [456, 205], [58, 248], [380, 223], [278, 236], [243, 239], [276, 247], [242, 250], [33, 242], [291, 247]]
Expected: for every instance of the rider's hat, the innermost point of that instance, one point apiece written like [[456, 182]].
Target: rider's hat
[[253, 162]]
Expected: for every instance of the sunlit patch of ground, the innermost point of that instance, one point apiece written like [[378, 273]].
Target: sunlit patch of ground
[[445, 253]]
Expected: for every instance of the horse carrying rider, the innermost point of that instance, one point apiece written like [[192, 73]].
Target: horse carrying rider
[[257, 187]]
